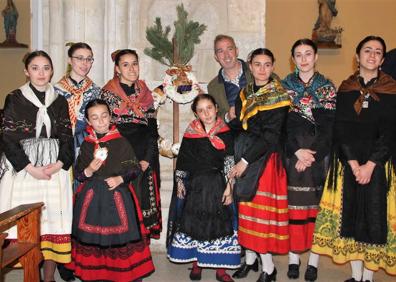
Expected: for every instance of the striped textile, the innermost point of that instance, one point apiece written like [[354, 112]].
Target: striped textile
[[263, 222]]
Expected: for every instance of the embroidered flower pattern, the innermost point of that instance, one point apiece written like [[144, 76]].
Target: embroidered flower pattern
[[10, 125], [127, 115], [325, 98]]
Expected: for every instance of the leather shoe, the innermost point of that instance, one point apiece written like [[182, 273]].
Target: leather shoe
[[311, 274], [265, 277], [294, 271], [224, 278], [243, 271], [196, 275], [352, 280]]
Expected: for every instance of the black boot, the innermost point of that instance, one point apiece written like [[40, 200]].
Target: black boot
[[65, 273], [265, 277], [294, 271], [244, 269], [311, 274]]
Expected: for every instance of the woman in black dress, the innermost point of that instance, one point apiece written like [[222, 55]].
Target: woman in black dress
[[132, 110], [357, 219], [309, 133]]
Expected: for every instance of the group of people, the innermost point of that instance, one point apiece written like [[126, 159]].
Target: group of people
[[90, 154], [268, 166], [308, 167]]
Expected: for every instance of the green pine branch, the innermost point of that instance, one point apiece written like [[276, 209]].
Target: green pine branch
[[186, 35], [162, 49]]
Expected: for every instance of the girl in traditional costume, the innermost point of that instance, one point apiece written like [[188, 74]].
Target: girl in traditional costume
[[110, 242], [309, 138], [261, 111], [132, 110], [38, 147], [357, 219], [78, 88], [202, 222]]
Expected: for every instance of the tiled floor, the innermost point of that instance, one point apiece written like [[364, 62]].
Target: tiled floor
[[169, 272]]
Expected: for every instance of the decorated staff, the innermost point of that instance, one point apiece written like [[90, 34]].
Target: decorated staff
[[179, 84]]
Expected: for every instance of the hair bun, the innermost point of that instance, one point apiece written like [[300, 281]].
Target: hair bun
[[114, 54], [24, 58]]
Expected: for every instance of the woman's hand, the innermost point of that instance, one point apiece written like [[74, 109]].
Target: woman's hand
[[355, 167], [300, 166], [181, 190], [38, 172], [144, 165], [238, 169], [114, 182], [51, 169], [306, 156], [365, 172], [227, 195], [92, 167]]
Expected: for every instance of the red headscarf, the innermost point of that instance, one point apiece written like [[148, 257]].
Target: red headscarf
[[143, 100], [92, 137], [196, 130]]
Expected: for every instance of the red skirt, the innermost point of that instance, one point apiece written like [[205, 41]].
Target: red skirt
[[263, 222], [129, 262], [301, 234]]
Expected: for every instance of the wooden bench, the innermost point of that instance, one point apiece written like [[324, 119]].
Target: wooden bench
[[27, 248]]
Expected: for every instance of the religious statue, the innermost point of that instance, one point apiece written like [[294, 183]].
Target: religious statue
[[322, 32], [10, 14]]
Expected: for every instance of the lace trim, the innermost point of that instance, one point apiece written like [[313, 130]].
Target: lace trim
[[122, 253], [229, 162], [3, 165], [180, 176]]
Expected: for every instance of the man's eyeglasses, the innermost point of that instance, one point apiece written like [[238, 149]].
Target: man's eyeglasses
[[82, 59]]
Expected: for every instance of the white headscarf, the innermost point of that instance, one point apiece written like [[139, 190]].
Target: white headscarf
[[42, 117]]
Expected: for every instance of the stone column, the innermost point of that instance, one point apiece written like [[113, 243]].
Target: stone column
[[56, 38]]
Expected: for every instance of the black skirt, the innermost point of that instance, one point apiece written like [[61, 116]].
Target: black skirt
[[306, 188], [204, 216], [364, 208], [103, 217]]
